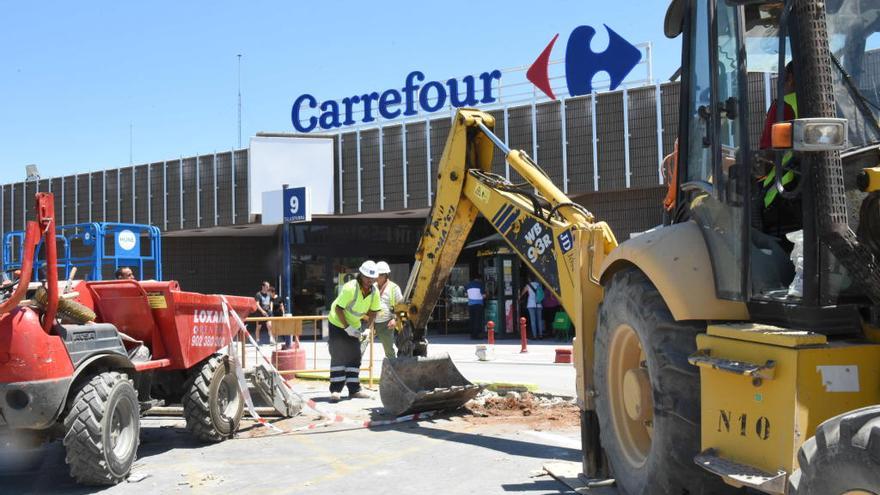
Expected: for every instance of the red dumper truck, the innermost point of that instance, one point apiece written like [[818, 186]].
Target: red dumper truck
[[82, 360]]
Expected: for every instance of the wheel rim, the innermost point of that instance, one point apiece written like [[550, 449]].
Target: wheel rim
[[228, 398], [632, 409], [122, 429]]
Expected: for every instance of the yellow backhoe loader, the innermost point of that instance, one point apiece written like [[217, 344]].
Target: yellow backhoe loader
[[738, 344]]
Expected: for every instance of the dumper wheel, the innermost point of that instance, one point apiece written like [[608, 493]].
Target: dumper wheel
[[102, 427], [842, 458], [212, 403], [648, 400]]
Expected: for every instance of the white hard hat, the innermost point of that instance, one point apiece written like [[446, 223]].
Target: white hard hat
[[368, 269], [382, 267]]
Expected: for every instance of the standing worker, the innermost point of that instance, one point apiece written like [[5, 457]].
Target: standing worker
[[357, 298], [264, 307], [389, 295]]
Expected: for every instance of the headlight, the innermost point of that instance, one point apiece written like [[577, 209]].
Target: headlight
[[817, 134]]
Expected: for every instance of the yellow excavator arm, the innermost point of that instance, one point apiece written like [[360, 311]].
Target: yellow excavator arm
[[559, 241]]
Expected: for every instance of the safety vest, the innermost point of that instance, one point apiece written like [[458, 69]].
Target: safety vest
[[384, 316], [770, 181], [354, 304]]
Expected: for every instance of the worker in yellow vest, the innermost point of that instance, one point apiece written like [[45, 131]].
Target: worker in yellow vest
[[790, 112], [386, 320], [353, 310]]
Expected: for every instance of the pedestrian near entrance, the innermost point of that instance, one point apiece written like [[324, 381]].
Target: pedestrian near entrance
[[476, 296], [357, 299], [389, 295], [535, 293], [264, 308]]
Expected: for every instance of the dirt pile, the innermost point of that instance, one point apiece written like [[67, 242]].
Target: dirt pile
[[538, 412]]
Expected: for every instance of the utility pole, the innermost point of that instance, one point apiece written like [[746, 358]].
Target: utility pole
[[239, 101], [130, 143]]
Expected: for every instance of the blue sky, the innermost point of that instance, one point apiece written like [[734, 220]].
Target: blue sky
[[75, 75]]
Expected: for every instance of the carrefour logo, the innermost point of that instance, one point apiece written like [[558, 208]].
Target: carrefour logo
[[420, 96], [582, 63], [307, 114]]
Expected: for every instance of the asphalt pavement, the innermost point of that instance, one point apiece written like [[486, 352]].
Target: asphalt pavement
[[450, 453]]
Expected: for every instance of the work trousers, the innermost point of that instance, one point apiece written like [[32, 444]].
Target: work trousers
[[386, 336], [345, 361], [476, 316]]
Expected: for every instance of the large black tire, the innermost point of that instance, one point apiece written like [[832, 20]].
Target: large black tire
[[843, 456], [212, 403], [102, 427], [655, 452]]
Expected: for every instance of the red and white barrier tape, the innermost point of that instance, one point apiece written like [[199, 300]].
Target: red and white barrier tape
[[332, 417]]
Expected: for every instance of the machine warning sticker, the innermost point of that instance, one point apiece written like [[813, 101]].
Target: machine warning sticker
[[840, 378], [535, 243], [157, 300], [482, 193]]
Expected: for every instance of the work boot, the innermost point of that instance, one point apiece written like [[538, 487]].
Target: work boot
[[360, 394], [335, 397]]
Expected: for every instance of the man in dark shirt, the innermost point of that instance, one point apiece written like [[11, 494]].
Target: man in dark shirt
[[264, 308]]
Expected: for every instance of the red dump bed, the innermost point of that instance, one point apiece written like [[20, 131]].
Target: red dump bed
[[184, 327]]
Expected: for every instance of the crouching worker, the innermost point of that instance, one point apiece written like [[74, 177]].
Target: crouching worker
[[356, 299]]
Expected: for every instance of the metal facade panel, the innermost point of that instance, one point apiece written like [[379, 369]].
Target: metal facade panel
[[172, 176], [157, 197], [416, 161], [579, 130], [9, 207], [669, 104], [30, 190], [439, 132], [392, 149], [190, 196], [550, 141], [43, 185], [97, 203], [56, 191], [112, 206], [628, 210], [520, 129], [141, 194], [498, 162], [643, 137], [612, 166], [224, 188], [241, 187], [83, 208], [370, 170], [126, 206], [349, 173], [757, 108], [206, 188], [69, 213]]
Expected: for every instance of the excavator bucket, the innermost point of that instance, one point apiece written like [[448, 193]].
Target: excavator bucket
[[418, 384]]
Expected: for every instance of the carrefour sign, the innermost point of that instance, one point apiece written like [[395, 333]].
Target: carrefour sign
[[415, 95], [418, 96]]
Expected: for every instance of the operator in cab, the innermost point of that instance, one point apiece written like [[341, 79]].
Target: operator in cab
[[779, 214], [357, 299]]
